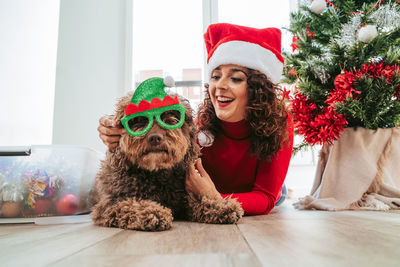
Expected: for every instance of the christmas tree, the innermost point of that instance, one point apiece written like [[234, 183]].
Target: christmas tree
[[345, 65]]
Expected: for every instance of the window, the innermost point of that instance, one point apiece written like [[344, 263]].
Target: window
[[258, 14], [28, 50], [168, 40]]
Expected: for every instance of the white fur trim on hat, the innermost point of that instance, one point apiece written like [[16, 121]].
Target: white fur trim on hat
[[248, 55]]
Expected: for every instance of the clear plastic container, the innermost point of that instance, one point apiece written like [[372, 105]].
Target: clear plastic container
[[47, 180]]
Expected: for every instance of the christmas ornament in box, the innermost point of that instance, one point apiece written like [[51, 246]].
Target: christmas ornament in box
[[41, 181]]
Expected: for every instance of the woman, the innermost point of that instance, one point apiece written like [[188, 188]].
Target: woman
[[250, 129]]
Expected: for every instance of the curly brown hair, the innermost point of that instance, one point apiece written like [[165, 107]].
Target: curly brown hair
[[266, 113]]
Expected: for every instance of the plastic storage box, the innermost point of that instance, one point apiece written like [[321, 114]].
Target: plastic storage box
[[47, 180]]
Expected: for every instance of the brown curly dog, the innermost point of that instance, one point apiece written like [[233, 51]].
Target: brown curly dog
[[141, 183]]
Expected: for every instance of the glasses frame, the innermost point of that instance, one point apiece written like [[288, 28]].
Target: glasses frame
[[150, 115]]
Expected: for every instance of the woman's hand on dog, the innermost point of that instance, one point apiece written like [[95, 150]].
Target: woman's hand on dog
[[199, 183], [109, 132]]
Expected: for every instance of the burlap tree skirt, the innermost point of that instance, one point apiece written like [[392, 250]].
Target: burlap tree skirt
[[361, 170]]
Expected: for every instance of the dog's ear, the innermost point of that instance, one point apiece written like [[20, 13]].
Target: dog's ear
[[189, 111], [121, 106], [194, 149], [118, 159]]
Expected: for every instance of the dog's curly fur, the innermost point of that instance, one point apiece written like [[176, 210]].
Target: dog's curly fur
[[141, 183]]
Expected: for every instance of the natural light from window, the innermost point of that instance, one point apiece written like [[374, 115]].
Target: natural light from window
[[258, 14], [167, 35], [28, 50]]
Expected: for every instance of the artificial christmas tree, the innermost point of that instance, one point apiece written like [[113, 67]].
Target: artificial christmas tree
[[345, 65]]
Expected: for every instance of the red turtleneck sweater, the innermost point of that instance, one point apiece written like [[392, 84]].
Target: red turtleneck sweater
[[255, 183]]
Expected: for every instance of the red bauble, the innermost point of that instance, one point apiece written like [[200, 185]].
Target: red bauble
[[344, 89], [42, 206], [310, 33], [292, 72], [344, 81], [67, 205]]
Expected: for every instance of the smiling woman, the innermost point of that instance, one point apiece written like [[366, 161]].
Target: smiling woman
[[228, 92], [244, 111]]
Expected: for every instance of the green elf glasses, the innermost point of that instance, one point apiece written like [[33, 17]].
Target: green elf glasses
[[148, 102], [140, 123]]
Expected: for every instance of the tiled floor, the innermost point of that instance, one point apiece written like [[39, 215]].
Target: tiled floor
[[285, 237]]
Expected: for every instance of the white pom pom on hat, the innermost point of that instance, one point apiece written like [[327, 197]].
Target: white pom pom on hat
[[258, 49], [169, 81]]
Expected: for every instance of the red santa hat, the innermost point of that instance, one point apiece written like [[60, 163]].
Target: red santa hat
[[258, 49]]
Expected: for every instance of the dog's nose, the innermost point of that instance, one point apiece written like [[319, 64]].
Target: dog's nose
[[155, 139]]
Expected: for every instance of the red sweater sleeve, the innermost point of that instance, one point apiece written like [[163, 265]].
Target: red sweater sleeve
[[269, 181]]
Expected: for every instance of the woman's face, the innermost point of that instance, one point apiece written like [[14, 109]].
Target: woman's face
[[228, 92]]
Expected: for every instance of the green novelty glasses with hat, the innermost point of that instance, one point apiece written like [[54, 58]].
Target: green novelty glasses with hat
[[151, 101]]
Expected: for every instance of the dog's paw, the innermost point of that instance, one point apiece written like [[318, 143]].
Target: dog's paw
[[157, 220], [221, 211], [133, 214], [231, 211], [145, 215]]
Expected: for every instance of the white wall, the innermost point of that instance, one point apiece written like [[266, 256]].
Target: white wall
[[28, 49], [93, 67]]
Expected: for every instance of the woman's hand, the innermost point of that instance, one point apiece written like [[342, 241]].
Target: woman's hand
[[109, 132], [199, 183]]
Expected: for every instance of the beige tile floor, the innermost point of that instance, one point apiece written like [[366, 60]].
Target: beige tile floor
[[286, 237]]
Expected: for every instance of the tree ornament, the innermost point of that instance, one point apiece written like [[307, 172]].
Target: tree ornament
[[367, 33], [11, 200], [344, 89], [317, 126], [292, 72], [318, 6], [286, 93], [294, 45], [42, 206], [347, 35], [11, 209], [310, 33], [321, 73], [386, 17], [67, 205]]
